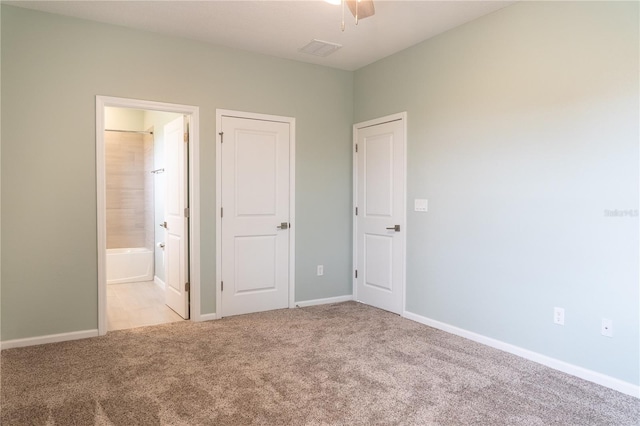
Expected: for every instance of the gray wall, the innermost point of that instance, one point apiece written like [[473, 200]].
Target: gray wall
[[52, 69], [522, 131]]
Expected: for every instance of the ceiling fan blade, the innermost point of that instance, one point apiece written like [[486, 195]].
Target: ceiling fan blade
[[364, 8]]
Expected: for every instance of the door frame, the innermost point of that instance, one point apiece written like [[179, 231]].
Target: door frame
[[292, 197], [194, 197], [376, 121]]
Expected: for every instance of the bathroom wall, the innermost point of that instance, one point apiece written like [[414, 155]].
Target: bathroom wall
[[124, 119], [149, 193], [124, 153], [129, 182]]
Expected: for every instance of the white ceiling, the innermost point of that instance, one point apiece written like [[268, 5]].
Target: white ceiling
[[281, 28]]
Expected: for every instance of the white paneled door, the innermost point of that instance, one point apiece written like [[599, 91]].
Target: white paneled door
[[176, 221], [380, 220], [255, 221]]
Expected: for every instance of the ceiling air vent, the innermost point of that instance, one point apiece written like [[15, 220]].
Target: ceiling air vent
[[320, 48]]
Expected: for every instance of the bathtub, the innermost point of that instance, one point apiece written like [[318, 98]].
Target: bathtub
[[126, 265]]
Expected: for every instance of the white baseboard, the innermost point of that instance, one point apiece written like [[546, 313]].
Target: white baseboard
[[208, 317], [583, 373], [159, 282], [51, 338], [313, 302]]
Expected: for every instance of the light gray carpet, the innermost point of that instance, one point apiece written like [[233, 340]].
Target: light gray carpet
[[342, 364]]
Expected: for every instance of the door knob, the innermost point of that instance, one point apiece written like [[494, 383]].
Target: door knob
[[395, 228], [283, 225], [163, 225]]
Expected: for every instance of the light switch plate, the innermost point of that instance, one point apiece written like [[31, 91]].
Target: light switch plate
[[420, 205]]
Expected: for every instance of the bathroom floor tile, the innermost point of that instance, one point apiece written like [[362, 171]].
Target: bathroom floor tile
[[139, 304]]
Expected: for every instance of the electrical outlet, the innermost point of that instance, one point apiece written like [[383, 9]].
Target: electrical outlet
[[320, 271], [558, 315], [420, 205], [607, 327]]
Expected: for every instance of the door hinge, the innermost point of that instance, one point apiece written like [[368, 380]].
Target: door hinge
[[186, 137], [187, 287], [186, 212], [221, 285], [356, 147], [356, 273], [221, 137], [356, 211], [221, 212]]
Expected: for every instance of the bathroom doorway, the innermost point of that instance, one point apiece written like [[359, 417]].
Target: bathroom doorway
[[145, 274]]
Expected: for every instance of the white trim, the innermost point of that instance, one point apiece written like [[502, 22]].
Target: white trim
[[194, 196], [292, 197], [208, 317], [381, 120], [292, 211], [217, 212], [159, 282], [194, 214], [354, 240], [406, 222], [101, 216], [337, 299], [51, 338], [583, 373]]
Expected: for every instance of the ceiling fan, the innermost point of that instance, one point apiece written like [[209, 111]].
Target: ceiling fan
[[360, 9]]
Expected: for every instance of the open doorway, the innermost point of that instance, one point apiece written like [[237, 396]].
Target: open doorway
[[135, 214], [147, 213]]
